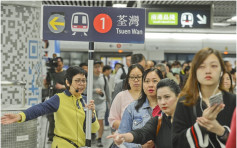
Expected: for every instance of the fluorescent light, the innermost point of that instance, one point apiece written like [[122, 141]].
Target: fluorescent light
[[221, 36], [177, 36], [157, 35], [221, 24], [233, 19], [120, 5], [189, 36]]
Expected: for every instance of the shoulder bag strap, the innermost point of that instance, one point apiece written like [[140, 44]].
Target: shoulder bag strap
[[159, 124], [105, 83]]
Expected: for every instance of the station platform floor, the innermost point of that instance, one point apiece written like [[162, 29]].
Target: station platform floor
[[44, 130]]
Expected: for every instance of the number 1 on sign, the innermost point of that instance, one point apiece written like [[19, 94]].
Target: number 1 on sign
[[103, 22]]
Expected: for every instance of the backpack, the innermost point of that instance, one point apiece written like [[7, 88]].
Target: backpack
[[123, 75]]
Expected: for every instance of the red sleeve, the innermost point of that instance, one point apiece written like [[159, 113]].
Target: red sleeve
[[231, 142], [156, 111]]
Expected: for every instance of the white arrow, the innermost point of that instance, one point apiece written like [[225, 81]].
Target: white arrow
[[202, 20]]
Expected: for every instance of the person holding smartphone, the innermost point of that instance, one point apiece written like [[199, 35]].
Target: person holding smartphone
[[197, 121]]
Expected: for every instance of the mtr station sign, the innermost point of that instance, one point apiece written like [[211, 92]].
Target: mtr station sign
[[177, 16], [94, 24]]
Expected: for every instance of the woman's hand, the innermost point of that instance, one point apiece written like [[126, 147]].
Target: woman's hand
[[149, 144], [118, 138], [10, 118], [211, 125], [211, 113], [91, 105], [99, 91], [116, 124]]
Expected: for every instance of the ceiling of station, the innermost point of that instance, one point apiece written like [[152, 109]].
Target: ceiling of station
[[223, 10]]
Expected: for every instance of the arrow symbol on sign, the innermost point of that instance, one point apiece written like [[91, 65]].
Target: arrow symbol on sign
[[202, 20], [53, 23]]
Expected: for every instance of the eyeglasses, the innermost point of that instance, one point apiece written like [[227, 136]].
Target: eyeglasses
[[153, 81], [82, 81], [135, 77]]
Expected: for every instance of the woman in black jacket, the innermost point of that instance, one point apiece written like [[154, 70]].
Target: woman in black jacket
[[203, 113], [157, 129]]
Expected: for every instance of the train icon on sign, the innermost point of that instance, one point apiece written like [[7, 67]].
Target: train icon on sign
[[80, 23], [187, 19]]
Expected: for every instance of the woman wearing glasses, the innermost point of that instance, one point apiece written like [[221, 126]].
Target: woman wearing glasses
[[139, 112], [132, 91], [69, 111], [156, 129]]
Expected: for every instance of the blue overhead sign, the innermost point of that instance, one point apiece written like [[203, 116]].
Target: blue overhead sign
[[94, 24]]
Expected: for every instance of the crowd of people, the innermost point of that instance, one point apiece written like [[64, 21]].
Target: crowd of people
[[145, 103]]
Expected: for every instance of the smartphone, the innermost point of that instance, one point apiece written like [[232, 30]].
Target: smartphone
[[216, 99]]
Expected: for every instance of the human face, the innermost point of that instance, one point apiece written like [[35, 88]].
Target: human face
[[143, 63], [175, 66], [78, 83], [149, 84], [226, 82], [107, 72], [228, 66], [167, 100], [54, 55], [184, 65], [60, 65], [128, 61], [149, 64], [135, 79], [97, 69], [208, 73], [85, 68], [234, 77], [117, 67]]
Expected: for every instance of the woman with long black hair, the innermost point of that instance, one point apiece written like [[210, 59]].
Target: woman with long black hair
[[139, 112], [203, 114], [157, 129]]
